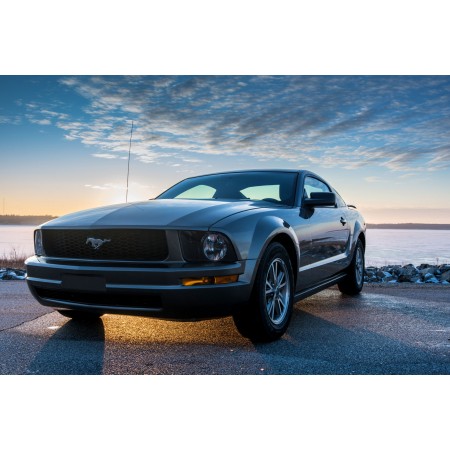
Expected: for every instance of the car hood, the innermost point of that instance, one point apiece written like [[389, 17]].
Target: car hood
[[187, 214]]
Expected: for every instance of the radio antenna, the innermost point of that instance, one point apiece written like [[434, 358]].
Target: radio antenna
[[129, 155]]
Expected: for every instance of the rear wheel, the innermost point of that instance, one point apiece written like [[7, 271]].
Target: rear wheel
[[269, 312], [81, 316], [353, 282]]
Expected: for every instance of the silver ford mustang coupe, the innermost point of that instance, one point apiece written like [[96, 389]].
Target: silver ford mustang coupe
[[246, 243]]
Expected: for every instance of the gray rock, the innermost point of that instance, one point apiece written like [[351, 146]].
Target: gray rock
[[388, 278], [432, 280], [445, 276], [12, 274], [428, 270], [406, 273]]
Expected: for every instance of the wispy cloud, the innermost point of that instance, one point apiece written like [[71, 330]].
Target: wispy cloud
[[105, 155], [11, 120], [41, 121], [96, 186], [397, 123], [374, 179], [117, 187]]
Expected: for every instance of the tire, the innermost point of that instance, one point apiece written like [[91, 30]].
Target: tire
[[267, 316], [354, 281], [81, 316]]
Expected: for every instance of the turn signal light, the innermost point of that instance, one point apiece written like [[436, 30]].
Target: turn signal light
[[209, 280]]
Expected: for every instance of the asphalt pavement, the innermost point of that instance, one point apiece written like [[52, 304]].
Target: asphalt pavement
[[386, 330]]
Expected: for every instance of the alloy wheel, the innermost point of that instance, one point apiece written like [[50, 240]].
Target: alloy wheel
[[277, 291]]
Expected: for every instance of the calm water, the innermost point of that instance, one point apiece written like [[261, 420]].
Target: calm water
[[18, 238], [407, 246], [383, 246]]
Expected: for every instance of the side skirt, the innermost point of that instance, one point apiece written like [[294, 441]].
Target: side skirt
[[319, 287]]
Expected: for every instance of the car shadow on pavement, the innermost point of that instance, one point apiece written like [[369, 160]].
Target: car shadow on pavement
[[76, 348], [314, 345]]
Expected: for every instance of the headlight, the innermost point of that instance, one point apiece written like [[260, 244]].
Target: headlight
[[214, 246], [38, 246], [206, 246]]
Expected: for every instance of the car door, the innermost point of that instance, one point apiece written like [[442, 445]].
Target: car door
[[329, 233]]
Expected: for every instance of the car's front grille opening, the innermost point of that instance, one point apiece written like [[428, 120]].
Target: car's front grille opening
[[106, 244], [102, 299]]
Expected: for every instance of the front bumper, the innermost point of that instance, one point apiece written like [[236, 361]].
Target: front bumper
[[154, 290]]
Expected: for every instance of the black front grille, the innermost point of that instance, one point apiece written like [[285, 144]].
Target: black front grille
[[118, 244]]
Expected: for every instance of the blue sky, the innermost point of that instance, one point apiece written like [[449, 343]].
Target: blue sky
[[382, 141]]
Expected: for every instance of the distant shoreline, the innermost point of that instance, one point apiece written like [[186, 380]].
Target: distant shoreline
[[24, 220], [408, 226], [37, 220]]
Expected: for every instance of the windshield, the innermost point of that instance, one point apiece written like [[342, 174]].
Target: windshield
[[274, 187]]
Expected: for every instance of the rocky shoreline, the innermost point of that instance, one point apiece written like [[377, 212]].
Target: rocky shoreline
[[391, 274], [422, 274], [12, 274]]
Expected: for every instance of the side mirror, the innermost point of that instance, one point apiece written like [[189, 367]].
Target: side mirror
[[320, 199]]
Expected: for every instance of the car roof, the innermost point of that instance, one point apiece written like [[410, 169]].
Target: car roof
[[254, 170]]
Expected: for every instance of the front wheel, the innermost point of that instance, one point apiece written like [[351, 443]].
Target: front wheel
[[353, 282], [269, 312]]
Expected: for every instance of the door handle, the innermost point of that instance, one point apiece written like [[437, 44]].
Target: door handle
[[343, 221]]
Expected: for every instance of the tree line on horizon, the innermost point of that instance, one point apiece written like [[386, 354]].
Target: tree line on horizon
[[13, 219], [409, 226]]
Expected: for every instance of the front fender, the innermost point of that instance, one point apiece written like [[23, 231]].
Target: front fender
[[266, 230], [252, 234]]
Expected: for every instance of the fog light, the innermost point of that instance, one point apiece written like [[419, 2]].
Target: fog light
[[197, 281], [209, 280], [227, 279]]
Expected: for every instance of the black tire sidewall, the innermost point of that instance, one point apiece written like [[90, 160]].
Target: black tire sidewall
[[349, 284], [361, 248], [273, 251]]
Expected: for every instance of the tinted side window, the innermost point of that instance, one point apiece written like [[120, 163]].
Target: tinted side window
[[314, 185]]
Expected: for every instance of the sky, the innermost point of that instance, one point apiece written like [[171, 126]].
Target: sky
[[382, 141]]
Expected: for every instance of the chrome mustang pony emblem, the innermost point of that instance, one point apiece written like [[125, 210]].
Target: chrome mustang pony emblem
[[96, 243]]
